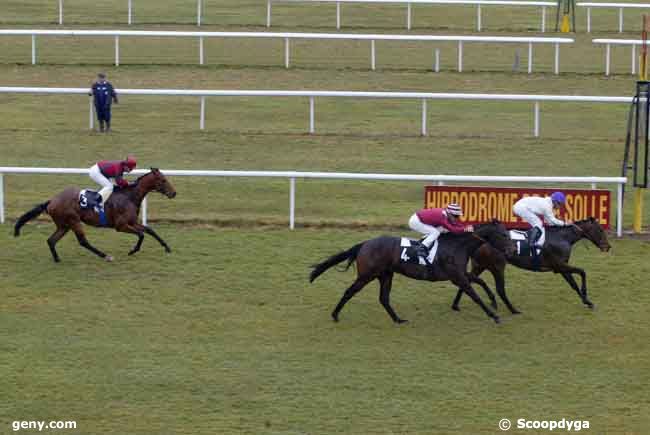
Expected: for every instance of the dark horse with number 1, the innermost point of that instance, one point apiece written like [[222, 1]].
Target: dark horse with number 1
[[380, 258], [122, 209], [554, 258]]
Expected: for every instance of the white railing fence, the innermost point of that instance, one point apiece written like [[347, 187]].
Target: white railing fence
[[129, 12], [619, 6], [288, 36], [409, 3], [292, 176], [423, 97], [608, 51]]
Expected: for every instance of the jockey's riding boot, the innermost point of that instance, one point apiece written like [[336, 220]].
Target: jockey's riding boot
[[534, 236]]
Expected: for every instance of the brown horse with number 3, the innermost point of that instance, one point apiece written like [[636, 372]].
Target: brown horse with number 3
[[122, 209]]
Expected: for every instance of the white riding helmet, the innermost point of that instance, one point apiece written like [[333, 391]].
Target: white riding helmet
[[454, 209]]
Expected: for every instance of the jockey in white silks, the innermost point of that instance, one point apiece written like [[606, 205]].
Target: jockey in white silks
[[531, 207]]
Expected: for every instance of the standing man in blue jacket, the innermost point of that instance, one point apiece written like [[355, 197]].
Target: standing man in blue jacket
[[103, 95]]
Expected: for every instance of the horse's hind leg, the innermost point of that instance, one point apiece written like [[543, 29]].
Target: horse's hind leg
[[351, 291], [385, 286], [83, 241], [53, 239]]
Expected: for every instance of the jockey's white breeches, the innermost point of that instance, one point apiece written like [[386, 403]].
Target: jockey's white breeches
[[432, 233], [532, 219], [99, 178]]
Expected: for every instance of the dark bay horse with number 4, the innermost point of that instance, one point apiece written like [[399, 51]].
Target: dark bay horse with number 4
[[122, 209], [379, 259], [554, 257]]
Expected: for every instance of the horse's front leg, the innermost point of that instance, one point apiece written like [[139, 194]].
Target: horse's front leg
[[153, 234], [582, 292], [463, 283]]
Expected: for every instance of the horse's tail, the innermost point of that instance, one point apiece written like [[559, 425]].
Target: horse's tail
[[32, 214], [350, 255]]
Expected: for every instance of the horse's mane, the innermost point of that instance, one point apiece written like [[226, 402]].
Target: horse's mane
[[560, 228], [137, 180]]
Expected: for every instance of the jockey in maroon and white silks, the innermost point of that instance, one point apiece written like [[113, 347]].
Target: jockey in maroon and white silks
[[434, 221], [103, 171]]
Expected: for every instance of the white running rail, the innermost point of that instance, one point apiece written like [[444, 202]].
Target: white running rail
[[423, 97], [408, 3], [619, 6], [293, 175], [288, 36], [129, 12]]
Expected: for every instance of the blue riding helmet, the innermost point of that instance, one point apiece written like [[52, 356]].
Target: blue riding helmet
[[558, 197]]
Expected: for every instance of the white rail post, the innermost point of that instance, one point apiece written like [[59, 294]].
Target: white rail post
[[60, 12], [33, 49], [202, 119], [619, 209], [372, 54], [130, 7], [199, 10], [201, 57], [588, 20], [633, 59], [117, 50], [268, 13], [620, 20], [2, 199], [408, 16], [607, 56], [292, 203], [536, 127], [144, 211], [478, 17], [543, 19], [338, 15], [460, 56], [557, 58], [593, 186], [91, 113], [424, 117], [436, 66], [286, 52], [530, 57], [311, 115]]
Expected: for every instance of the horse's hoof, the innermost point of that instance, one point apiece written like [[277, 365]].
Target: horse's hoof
[[168, 249], [109, 258], [515, 311], [496, 319], [132, 252], [400, 321], [455, 307], [591, 305], [335, 317]]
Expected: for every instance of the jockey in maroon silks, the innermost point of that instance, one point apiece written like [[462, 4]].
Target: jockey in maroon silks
[[434, 221], [103, 171]]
